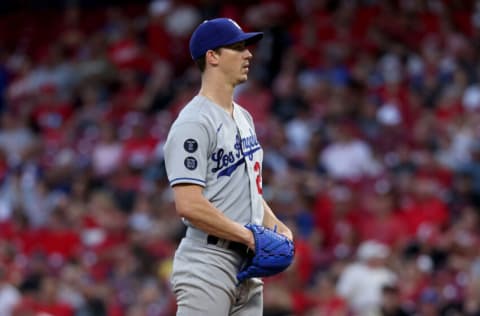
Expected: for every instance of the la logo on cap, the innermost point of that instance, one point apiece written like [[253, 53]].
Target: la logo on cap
[[235, 23]]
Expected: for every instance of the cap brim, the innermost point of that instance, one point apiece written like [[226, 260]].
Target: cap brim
[[249, 38], [253, 37]]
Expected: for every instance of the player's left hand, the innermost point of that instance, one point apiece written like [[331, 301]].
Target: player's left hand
[[286, 232], [274, 253]]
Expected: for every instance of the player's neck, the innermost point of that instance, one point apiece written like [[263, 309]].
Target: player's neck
[[222, 96]]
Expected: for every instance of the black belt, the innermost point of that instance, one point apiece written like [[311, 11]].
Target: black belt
[[239, 248]]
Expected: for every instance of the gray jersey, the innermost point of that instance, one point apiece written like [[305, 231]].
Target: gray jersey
[[207, 147]]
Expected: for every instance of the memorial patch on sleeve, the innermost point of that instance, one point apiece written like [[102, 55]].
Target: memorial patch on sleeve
[[190, 163], [190, 145]]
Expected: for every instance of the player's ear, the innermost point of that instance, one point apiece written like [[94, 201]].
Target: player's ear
[[211, 57]]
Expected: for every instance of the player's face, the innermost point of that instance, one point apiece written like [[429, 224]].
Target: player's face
[[235, 62]]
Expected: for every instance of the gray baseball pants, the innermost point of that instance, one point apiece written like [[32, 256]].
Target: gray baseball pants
[[205, 284]]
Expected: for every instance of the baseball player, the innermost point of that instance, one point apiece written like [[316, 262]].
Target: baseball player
[[214, 165]]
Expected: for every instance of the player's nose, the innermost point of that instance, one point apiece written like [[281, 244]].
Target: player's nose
[[248, 54]]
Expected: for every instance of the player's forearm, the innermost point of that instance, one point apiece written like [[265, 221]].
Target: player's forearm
[[212, 221], [270, 221], [204, 216]]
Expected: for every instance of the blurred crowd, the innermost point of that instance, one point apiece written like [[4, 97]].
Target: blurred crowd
[[368, 112]]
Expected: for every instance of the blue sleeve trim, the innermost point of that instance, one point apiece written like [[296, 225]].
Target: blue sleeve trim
[[187, 180]]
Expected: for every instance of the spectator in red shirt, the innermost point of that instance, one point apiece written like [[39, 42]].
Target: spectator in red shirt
[[40, 295], [125, 51], [425, 212], [337, 217], [126, 100], [158, 38], [383, 221], [51, 117], [138, 149], [325, 299]]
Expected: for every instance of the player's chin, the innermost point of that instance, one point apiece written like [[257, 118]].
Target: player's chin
[[244, 73], [243, 78]]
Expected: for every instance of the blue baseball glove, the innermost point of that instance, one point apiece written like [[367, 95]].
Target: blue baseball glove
[[273, 254]]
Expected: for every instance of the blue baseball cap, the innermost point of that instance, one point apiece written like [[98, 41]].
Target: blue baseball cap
[[215, 33]]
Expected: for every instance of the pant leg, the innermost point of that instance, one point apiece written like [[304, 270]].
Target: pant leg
[[204, 279], [197, 302], [249, 299]]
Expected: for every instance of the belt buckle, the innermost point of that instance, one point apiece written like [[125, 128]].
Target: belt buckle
[[223, 243], [219, 242]]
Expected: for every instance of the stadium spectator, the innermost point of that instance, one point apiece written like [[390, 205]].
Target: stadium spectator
[[361, 282], [9, 294]]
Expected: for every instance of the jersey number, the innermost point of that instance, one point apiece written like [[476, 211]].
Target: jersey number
[[258, 179]]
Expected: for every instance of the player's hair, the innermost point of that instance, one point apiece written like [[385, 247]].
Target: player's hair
[[201, 62]]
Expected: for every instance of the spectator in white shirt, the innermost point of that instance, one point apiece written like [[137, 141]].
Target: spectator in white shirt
[[348, 157], [9, 295], [361, 282], [107, 153]]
